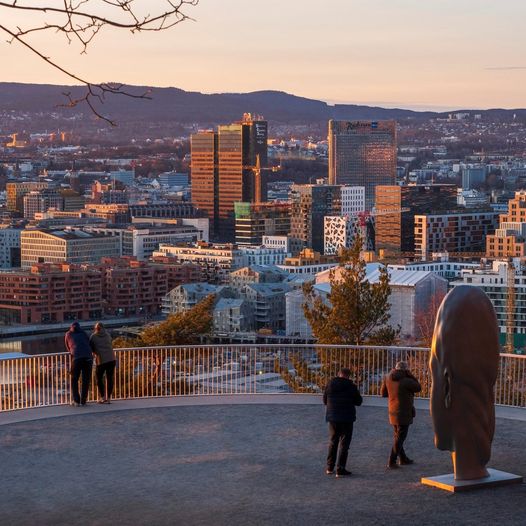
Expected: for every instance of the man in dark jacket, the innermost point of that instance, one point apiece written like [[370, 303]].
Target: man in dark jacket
[[341, 397], [77, 344], [400, 386]]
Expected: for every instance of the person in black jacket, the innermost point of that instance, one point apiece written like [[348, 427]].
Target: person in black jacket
[[77, 344], [341, 397]]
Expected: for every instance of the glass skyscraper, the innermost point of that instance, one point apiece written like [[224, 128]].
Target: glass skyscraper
[[362, 153]]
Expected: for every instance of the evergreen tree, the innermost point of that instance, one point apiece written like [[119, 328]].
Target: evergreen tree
[[357, 311]]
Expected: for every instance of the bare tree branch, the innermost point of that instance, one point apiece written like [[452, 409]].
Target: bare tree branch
[[81, 21]]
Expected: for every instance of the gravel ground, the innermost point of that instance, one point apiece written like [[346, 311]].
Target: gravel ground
[[237, 465]]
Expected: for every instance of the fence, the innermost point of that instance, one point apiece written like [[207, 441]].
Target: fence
[[43, 380]]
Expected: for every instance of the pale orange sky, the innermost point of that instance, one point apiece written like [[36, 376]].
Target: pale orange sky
[[424, 53]]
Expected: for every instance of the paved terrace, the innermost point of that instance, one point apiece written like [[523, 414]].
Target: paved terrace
[[234, 461]]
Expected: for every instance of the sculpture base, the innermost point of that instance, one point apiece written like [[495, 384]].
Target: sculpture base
[[495, 478]]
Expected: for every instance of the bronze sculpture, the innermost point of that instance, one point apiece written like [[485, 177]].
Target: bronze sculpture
[[464, 363]]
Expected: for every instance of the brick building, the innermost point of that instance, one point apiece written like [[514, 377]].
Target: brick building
[[50, 293]]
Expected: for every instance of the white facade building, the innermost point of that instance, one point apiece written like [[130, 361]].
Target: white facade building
[[263, 255], [340, 232], [353, 199]]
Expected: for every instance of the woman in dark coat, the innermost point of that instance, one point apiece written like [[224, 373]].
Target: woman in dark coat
[[400, 387]]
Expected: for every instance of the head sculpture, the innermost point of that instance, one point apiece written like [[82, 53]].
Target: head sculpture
[[464, 363]]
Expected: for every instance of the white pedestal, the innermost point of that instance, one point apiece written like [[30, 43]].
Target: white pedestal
[[495, 478]]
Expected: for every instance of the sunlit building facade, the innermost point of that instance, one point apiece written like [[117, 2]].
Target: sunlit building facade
[[362, 153]]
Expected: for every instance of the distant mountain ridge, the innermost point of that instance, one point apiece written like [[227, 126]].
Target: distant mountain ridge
[[177, 105]]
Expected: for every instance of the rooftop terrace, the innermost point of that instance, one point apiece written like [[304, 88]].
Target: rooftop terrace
[[252, 459]]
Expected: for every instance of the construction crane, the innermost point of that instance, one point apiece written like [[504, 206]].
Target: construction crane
[[510, 307], [256, 170]]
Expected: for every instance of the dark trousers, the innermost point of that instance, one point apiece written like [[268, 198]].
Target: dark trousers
[[108, 369], [399, 436], [80, 367], [340, 436]]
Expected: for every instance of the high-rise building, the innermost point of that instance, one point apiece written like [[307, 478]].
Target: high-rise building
[[222, 173], [310, 203], [205, 175], [256, 220], [397, 206], [473, 176], [362, 153]]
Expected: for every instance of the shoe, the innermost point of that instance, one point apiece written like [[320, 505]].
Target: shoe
[[74, 404], [329, 471], [406, 461], [102, 401], [343, 473], [83, 404], [392, 464], [107, 401]]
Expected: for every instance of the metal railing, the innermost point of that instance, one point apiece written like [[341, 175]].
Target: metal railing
[[43, 380]]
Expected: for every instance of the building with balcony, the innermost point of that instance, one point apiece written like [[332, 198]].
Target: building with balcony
[[268, 303], [453, 232], [254, 221], [188, 295], [41, 201], [131, 287], [50, 293], [397, 207], [233, 315], [216, 261], [509, 239]]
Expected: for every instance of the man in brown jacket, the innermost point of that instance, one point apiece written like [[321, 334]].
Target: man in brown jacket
[[400, 386]]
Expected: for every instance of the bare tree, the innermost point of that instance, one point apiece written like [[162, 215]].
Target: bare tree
[[80, 21], [425, 319]]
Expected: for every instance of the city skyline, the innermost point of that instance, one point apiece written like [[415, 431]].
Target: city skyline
[[461, 55]]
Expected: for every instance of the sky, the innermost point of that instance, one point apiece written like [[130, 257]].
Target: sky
[[428, 54]]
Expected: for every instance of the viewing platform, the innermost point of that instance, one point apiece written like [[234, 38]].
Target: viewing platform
[[196, 439], [234, 460]]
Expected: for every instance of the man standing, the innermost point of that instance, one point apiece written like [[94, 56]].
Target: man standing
[[400, 386], [77, 344], [341, 397]]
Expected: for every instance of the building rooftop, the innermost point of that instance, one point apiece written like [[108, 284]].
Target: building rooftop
[[231, 460]]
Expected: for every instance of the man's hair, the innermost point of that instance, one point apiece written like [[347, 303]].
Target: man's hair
[[345, 372], [99, 325]]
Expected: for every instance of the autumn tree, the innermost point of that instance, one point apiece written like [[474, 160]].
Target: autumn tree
[[356, 311], [183, 328], [425, 319]]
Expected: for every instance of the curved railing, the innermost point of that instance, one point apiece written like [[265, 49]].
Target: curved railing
[[43, 380]]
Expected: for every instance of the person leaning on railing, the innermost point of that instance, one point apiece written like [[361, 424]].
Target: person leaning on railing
[[102, 347], [77, 344]]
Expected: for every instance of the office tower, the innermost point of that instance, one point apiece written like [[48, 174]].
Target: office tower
[[309, 205], [396, 209], [222, 170], [17, 191], [205, 175], [256, 220], [362, 153]]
